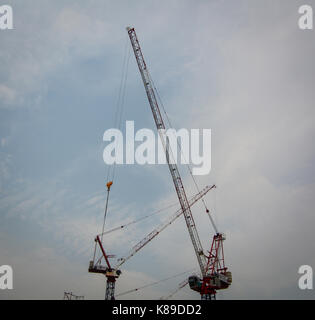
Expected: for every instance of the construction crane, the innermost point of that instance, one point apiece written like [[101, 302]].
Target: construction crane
[[112, 273], [214, 277], [71, 296], [96, 267]]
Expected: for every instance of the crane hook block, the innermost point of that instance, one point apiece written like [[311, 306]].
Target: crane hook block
[[109, 184]]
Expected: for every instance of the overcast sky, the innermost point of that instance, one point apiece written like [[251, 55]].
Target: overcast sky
[[241, 68]]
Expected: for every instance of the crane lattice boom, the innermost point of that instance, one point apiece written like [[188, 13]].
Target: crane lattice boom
[[162, 226], [172, 166]]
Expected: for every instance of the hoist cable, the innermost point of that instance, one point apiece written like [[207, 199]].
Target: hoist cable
[[120, 101], [118, 122], [179, 146], [105, 214], [170, 125], [128, 54]]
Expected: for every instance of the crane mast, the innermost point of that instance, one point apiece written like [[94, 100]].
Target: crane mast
[[149, 88]]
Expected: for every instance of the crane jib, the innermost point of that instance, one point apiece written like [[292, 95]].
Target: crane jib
[[172, 167], [161, 227]]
